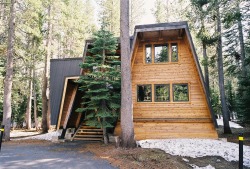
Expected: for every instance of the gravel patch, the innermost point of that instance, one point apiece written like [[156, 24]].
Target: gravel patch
[[199, 148], [33, 135]]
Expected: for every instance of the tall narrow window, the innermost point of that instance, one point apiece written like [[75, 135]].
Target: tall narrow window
[[161, 53], [162, 93], [148, 54], [180, 92], [174, 52], [144, 93]]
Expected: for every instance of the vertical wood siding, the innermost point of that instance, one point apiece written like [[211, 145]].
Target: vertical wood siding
[[184, 71]]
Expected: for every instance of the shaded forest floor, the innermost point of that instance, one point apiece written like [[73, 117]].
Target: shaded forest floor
[[152, 158], [234, 137]]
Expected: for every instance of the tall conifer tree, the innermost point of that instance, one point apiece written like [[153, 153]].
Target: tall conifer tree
[[101, 82]]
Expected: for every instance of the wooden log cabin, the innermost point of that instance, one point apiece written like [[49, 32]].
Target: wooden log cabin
[[170, 99]]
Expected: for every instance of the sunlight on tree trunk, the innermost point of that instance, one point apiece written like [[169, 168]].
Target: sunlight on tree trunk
[[9, 72], [127, 126], [45, 76]]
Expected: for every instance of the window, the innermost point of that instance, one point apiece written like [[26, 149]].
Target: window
[[174, 52], [161, 53], [148, 53], [162, 93], [180, 92], [144, 93]]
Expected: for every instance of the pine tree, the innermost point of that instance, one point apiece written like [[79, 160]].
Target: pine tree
[[235, 19], [243, 92], [202, 11], [170, 10], [137, 10], [127, 125], [9, 72], [110, 15], [101, 82], [227, 129]]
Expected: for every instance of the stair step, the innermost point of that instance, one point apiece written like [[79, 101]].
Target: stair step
[[93, 132], [90, 130], [89, 127], [89, 136], [88, 139], [88, 133]]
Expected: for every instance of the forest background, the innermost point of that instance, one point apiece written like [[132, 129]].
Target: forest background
[[53, 29]]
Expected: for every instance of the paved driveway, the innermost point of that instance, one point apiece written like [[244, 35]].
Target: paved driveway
[[49, 156]]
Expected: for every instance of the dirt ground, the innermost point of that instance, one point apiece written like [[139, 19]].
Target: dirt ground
[[158, 159], [154, 158]]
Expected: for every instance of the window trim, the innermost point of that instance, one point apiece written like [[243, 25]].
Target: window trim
[[171, 92], [171, 52], [145, 56], [188, 90], [161, 45], [153, 44], [151, 100], [155, 92]]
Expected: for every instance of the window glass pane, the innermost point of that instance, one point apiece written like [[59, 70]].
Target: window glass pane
[[148, 54], [144, 93], [162, 93], [174, 52], [161, 53], [180, 92]]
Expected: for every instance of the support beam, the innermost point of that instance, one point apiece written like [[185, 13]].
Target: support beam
[[70, 107]]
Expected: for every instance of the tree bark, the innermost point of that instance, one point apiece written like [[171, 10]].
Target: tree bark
[[29, 101], [45, 104], [45, 77], [242, 47], [127, 125], [9, 72], [206, 64], [227, 129], [34, 96]]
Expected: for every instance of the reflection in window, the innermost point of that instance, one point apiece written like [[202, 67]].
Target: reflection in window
[[144, 93], [174, 52], [148, 54], [161, 53], [162, 93], [180, 92]]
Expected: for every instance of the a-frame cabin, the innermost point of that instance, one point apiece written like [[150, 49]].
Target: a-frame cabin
[[170, 99]]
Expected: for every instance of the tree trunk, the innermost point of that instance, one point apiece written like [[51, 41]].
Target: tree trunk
[[206, 64], [45, 77], [127, 125], [227, 129], [44, 102], [48, 113], [105, 134], [28, 108], [9, 73], [242, 47], [34, 96]]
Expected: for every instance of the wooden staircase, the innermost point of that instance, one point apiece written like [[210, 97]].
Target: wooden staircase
[[88, 133]]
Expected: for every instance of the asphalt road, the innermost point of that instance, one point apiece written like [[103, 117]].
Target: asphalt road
[[49, 156]]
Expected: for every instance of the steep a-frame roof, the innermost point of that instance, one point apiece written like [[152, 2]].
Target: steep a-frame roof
[[181, 28]]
